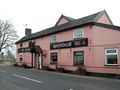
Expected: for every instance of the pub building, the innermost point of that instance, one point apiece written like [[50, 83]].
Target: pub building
[[91, 42]]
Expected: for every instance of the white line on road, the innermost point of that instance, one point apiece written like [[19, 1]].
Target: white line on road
[[71, 89], [27, 78], [3, 71]]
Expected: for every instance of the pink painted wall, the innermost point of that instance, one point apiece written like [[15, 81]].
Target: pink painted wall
[[44, 43], [65, 56], [17, 54], [104, 38], [104, 19], [26, 56], [62, 21]]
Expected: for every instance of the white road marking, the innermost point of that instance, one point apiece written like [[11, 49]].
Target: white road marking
[[71, 89], [3, 71], [27, 78]]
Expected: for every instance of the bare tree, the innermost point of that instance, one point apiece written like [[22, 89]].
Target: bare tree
[[8, 35], [10, 55]]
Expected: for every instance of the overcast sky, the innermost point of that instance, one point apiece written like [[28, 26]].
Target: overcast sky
[[41, 14]]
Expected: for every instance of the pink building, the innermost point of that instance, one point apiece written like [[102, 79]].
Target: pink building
[[92, 42]]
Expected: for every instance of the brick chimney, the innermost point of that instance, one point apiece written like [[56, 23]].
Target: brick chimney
[[28, 31]]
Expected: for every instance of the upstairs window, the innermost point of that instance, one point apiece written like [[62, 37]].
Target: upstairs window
[[54, 38], [111, 56], [77, 33], [21, 45]]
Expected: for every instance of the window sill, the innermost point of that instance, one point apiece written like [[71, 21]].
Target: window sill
[[78, 65], [54, 42], [77, 38], [53, 63], [112, 66]]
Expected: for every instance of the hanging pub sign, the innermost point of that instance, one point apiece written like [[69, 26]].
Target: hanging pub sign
[[70, 44], [32, 46]]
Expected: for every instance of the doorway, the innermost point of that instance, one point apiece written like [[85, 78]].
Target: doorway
[[38, 60]]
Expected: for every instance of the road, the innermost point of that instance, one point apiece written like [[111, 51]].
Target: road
[[16, 78]]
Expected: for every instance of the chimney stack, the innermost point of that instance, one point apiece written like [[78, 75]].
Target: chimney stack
[[28, 31]]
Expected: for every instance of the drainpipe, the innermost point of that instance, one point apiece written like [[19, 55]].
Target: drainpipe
[[32, 60]]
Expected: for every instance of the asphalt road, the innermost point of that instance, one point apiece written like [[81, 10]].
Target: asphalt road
[[15, 78]]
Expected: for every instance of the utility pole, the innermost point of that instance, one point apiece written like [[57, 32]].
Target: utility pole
[[2, 55], [0, 40]]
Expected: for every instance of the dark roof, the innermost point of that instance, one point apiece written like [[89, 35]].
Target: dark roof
[[107, 26], [58, 28]]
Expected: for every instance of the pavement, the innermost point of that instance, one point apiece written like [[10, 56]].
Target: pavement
[[17, 78]]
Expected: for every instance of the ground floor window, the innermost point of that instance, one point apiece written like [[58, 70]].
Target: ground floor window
[[54, 58], [79, 58], [111, 56], [21, 59]]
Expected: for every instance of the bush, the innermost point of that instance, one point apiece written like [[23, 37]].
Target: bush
[[24, 65], [45, 68], [80, 70], [60, 69], [15, 64]]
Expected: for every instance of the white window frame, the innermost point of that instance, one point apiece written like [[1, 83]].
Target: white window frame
[[80, 29], [52, 39], [111, 54]]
